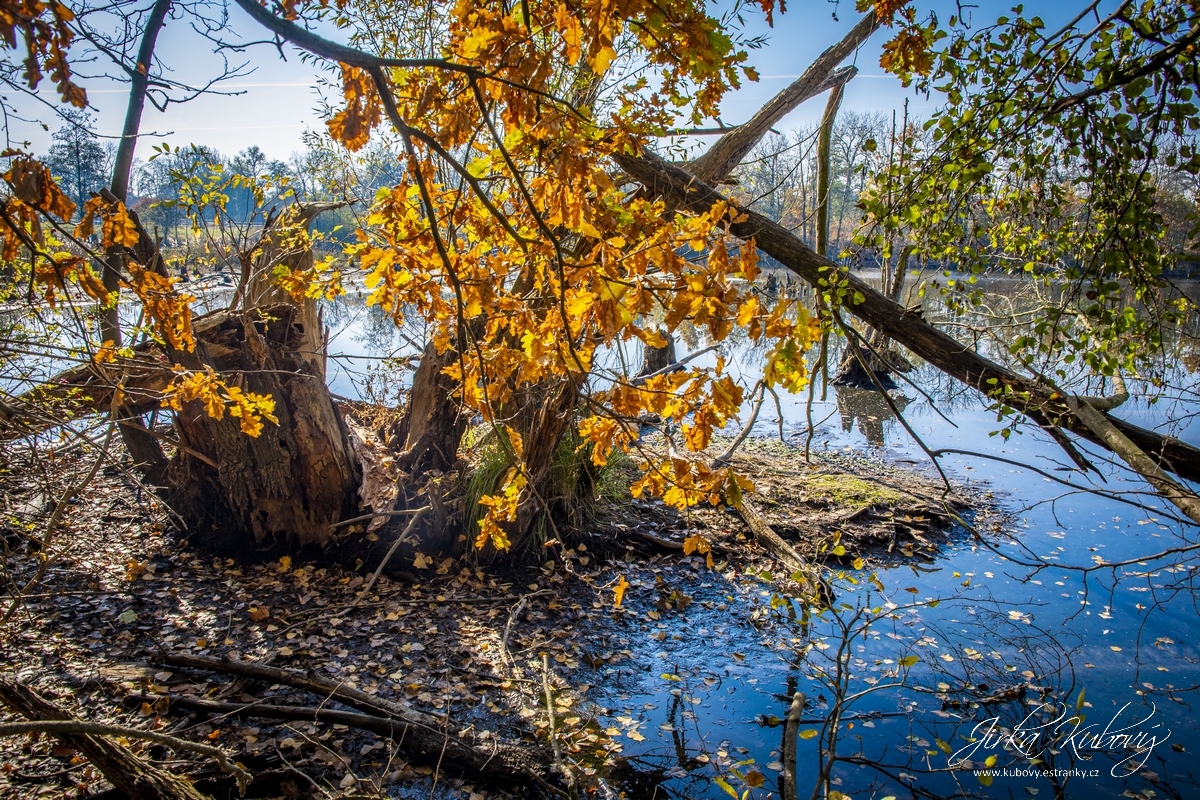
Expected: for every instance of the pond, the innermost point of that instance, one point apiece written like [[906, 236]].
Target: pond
[[1007, 652]]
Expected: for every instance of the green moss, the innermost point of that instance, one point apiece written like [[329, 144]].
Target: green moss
[[848, 491]]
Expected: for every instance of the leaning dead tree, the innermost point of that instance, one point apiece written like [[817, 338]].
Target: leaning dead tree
[[1046, 405]]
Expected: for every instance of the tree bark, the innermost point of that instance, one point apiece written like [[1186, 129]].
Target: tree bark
[[286, 487], [725, 155], [657, 359], [546, 416], [145, 450]]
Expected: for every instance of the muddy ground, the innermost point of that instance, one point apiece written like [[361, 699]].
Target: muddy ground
[[475, 649]]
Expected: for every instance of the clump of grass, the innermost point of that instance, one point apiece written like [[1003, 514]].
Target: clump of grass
[[573, 488], [488, 465]]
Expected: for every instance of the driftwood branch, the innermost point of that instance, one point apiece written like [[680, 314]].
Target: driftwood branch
[[677, 365], [1115, 400], [808, 575], [412, 523], [1181, 497], [96, 729]]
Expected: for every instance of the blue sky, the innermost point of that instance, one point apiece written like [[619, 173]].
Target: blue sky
[[280, 99]]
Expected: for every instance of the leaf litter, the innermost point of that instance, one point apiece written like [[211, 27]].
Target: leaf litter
[[129, 588]]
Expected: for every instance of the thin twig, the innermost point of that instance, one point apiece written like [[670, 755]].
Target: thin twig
[[376, 515], [412, 523], [513, 615]]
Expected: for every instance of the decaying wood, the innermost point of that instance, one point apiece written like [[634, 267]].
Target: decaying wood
[[824, 167], [656, 360], [422, 735], [259, 289], [288, 485], [1109, 402], [817, 588], [412, 523], [71, 726], [904, 326], [640, 379], [138, 779], [674, 547], [341, 692], [89, 388], [806, 574]]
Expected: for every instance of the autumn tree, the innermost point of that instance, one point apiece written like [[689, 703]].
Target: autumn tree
[[537, 235]]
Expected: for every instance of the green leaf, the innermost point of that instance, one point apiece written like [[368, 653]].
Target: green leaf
[[908, 661], [808, 733]]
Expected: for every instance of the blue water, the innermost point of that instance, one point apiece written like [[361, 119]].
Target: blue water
[[1010, 614]]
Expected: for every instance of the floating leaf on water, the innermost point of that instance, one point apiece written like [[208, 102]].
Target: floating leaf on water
[[725, 785]]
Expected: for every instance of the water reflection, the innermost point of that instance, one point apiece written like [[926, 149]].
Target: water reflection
[[869, 412]]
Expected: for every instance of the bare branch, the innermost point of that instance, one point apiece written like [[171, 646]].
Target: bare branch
[[727, 153]]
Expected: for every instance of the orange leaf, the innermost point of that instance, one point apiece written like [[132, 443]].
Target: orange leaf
[[619, 591]]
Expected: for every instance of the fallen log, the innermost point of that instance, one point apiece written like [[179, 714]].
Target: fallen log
[[903, 325], [423, 736], [504, 763], [817, 589], [138, 779], [89, 388], [1184, 499]]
